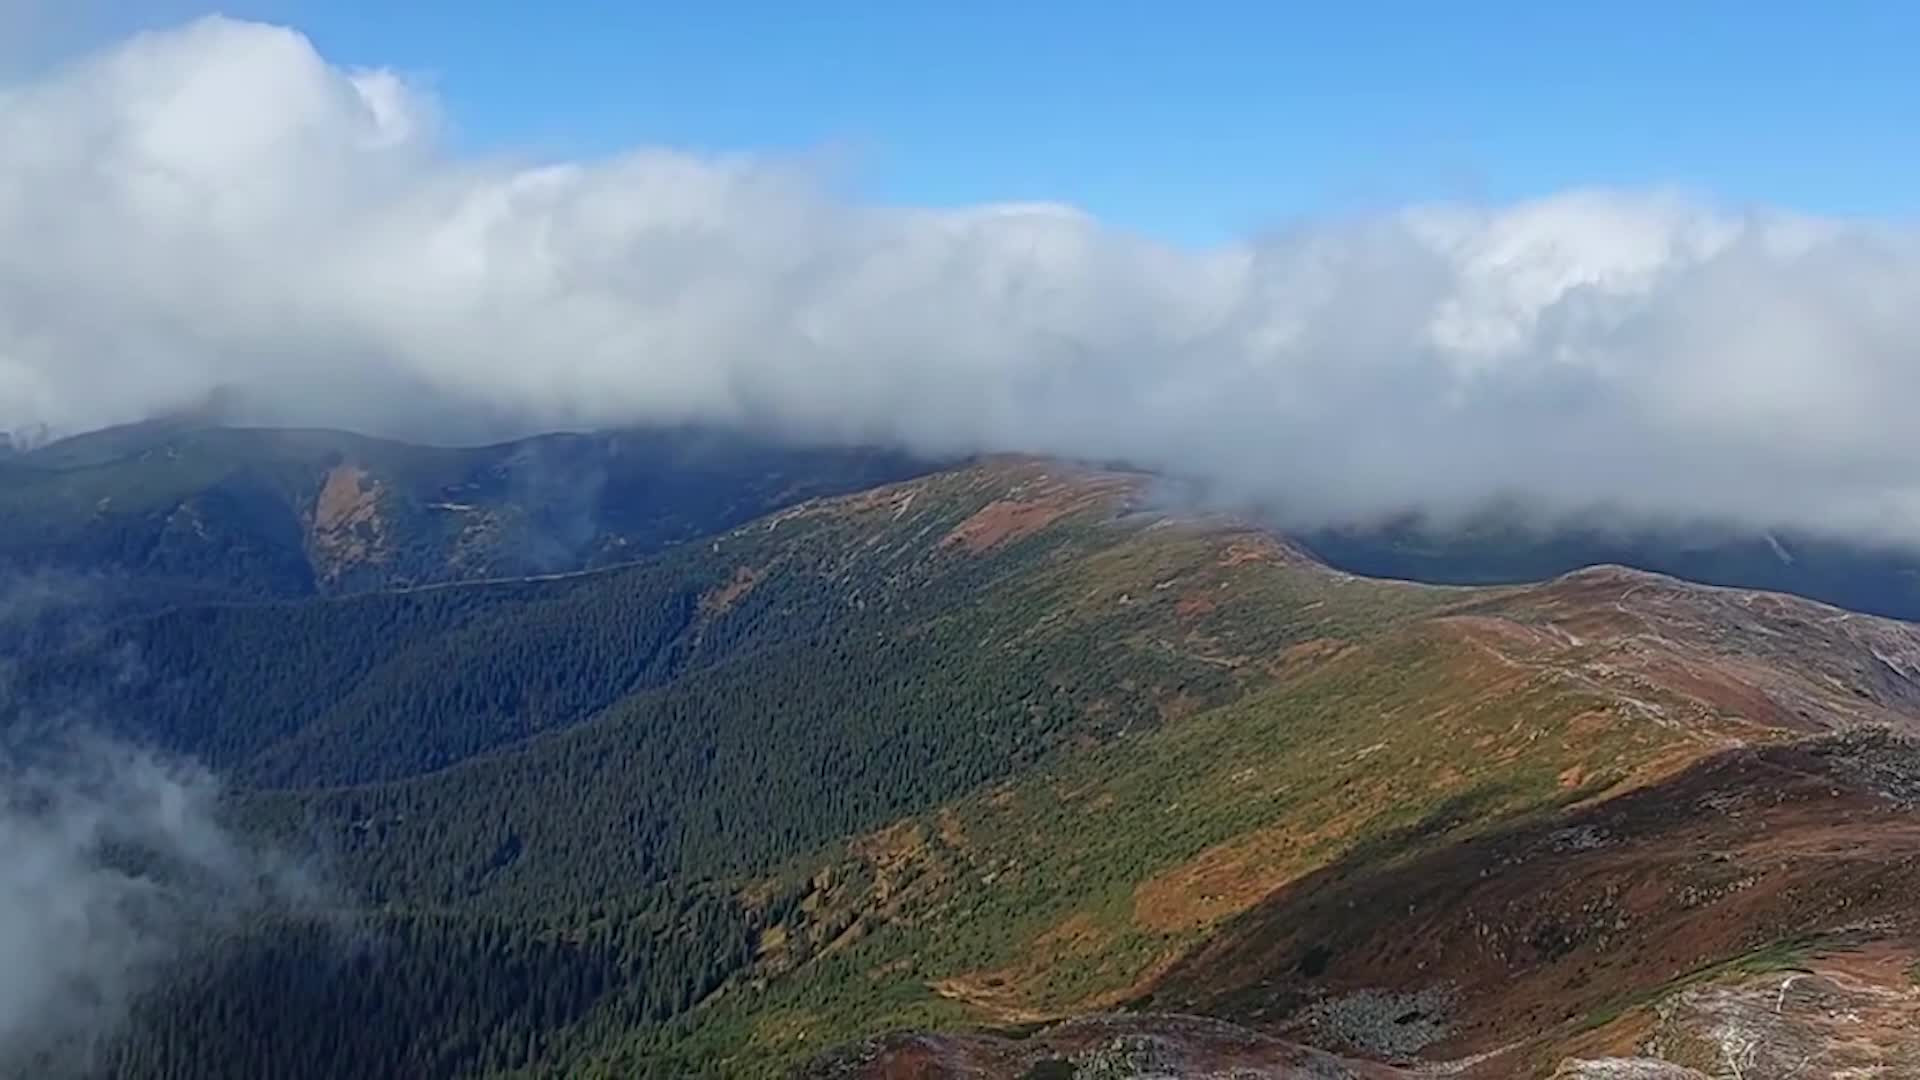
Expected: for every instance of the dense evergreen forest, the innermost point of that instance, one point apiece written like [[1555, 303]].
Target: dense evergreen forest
[[561, 812], [431, 995], [564, 819]]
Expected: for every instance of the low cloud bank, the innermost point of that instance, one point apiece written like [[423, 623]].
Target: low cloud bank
[[113, 868], [116, 868], [217, 206]]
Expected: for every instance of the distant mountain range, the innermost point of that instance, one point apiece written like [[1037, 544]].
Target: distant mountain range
[[268, 512], [670, 754], [253, 512], [1503, 549]]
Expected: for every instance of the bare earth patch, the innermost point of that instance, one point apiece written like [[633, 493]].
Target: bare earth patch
[[347, 527], [717, 600]]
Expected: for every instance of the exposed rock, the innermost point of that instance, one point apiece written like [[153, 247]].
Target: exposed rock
[[1624, 1069]]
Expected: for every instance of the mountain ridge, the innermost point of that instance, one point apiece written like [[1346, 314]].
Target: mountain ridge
[[1012, 744], [280, 512], [397, 514]]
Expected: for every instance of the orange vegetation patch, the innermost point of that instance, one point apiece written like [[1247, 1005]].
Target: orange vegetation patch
[[1229, 878], [772, 940], [1076, 932], [1717, 684], [953, 832], [343, 498], [346, 521], [1256, 547], [991, 995], [716, 601], [891, 844], [1008, 995], [1034, 500], [1193, 606], [1312, 651], [1180, 1045], [1002, 520], [1505, 638], [1547, 921]]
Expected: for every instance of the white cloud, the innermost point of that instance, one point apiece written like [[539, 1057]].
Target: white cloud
[[115, 866], [112, 866], [218, 206]]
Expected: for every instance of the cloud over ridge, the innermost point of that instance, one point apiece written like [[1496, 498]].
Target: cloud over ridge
[[218, 206], [114, 868]]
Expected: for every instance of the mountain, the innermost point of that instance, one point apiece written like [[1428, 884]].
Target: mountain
[[177, 505], [1010, 768], [181, 508], [1587, 821], [1503, 548], [1752, 908]]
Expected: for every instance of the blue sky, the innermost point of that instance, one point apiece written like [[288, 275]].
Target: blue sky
[[214, 209], [1189, 121]]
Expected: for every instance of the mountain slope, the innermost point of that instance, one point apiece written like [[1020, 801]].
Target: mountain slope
[[189, 508], [1000, 747], [1746, 916], [1505, 861], [263, 512], [818, 672], [1502, 548]]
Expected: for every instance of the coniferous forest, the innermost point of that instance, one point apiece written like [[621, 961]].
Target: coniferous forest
[[556, 814], [811, 762]]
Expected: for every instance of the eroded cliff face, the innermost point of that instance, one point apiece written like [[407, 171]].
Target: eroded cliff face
[[347, 528]]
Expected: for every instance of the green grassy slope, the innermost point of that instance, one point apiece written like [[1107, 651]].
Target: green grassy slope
[[656, 738], [989, 747]]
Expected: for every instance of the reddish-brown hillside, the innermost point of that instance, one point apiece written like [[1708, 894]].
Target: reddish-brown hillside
[[1611, 825]]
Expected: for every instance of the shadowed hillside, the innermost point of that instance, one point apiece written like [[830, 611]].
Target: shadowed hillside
[[263, 512]]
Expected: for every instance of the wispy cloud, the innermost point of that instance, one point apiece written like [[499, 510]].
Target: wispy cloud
[[218, 206], [115, 864]]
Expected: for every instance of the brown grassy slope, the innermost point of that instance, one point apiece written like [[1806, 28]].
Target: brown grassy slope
[[1360, 816], [1750, 916], [1547, 931]]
